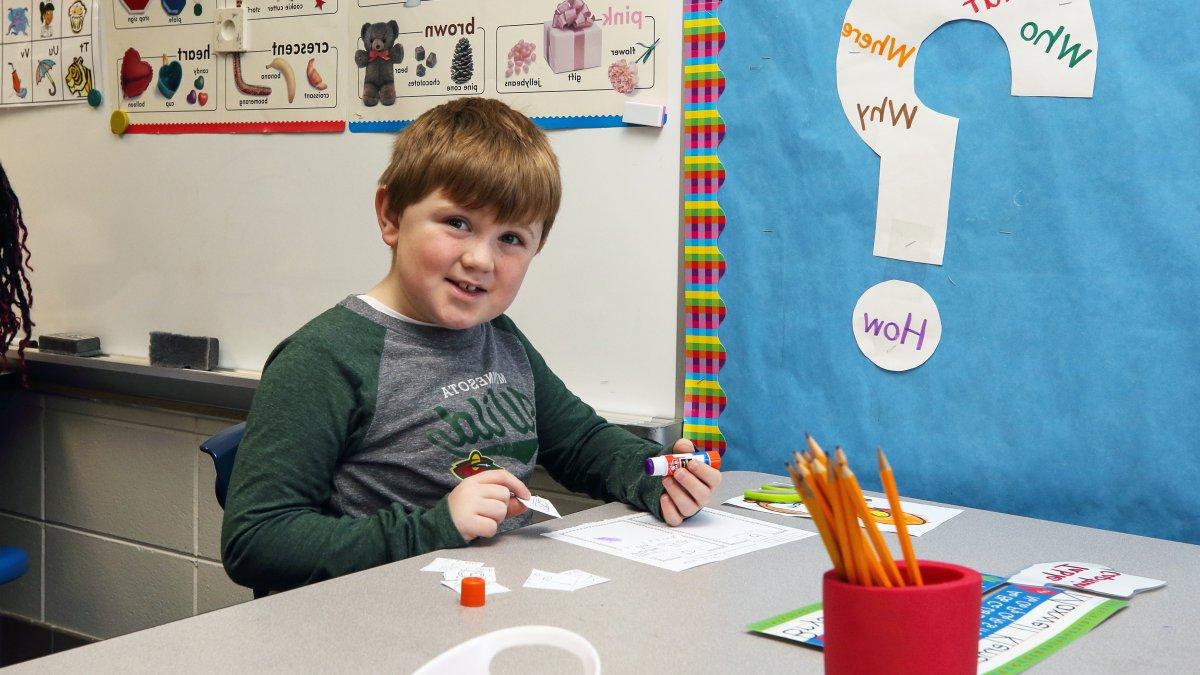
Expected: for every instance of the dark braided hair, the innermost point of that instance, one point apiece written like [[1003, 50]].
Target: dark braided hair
[[16, 295]]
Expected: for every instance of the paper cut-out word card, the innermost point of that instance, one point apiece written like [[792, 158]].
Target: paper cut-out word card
[[571, 580], [485, 573], [490, 588], [1090, 577], [897, 325], [444, 565], [1053, 51], [541, 505], [49, 52], [706, 537], [1019, 625], [921, 518], [565, 64], [454, 571], [170, 79]]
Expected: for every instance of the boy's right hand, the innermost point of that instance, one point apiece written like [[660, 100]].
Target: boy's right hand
[[480, 503]]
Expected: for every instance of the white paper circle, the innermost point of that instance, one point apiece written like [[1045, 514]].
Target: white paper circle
[[896, 325]]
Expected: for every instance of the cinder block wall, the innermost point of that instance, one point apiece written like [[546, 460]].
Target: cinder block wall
[[115, 505]]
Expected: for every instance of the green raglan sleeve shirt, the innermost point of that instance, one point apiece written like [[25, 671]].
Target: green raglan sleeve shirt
[[312, 406], [363, 424]]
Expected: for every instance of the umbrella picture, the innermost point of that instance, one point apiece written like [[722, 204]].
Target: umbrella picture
[[43, 72]]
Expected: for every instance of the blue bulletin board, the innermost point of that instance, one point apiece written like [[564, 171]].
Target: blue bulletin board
[[1067, 382]]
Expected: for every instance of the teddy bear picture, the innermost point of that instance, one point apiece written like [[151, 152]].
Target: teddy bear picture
[[377, 59]]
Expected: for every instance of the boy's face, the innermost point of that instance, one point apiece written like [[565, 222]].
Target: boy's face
[[454, 267]]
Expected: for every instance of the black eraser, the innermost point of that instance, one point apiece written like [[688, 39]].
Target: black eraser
[[171, 350], [74, 344]]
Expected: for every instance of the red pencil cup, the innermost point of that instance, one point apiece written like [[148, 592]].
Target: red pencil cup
[[926, 629]]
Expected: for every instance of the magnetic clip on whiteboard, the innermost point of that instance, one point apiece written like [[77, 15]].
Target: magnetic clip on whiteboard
[[230, 30], [645, 114]]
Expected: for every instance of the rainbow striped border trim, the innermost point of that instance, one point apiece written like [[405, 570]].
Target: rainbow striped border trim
[[703, 220]]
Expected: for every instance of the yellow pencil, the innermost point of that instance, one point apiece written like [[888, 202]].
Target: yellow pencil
[[862, 566], [811, 479], [889, 486], [864, 512], [873, 565], [818, 516], [816, 450], [862, 548], [850, 520], [839, 528]]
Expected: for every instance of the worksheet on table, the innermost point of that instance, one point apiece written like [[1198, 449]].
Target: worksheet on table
[[706, 537]]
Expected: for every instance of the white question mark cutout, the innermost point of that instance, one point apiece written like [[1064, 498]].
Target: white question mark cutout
[[1052, 47]]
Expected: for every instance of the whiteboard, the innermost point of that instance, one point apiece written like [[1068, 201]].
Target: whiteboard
[[245, 238]]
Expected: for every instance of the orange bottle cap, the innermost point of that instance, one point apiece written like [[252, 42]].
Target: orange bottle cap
[[473, 593], [714, 459]]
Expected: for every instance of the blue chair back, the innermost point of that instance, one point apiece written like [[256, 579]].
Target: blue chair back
[[222, 447], [13, 563]]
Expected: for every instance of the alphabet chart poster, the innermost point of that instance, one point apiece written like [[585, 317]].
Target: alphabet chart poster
[[169, 78], [48, 51], [565, 63], [1045, 246]]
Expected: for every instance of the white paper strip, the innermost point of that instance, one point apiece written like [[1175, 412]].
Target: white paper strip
[[447, 564], [571, 580], [541, 505], [486, 573], [490, 588]]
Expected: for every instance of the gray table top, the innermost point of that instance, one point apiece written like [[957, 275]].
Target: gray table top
[[395, 618]]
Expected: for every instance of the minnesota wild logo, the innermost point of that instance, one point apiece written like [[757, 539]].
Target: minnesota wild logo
[[475, 463]]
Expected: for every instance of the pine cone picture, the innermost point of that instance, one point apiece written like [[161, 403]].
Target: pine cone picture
[[462, 67]]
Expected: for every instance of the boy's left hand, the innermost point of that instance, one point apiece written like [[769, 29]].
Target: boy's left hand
[[689, 489]]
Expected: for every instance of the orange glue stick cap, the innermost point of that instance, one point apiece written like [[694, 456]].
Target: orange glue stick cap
[[473, 592]]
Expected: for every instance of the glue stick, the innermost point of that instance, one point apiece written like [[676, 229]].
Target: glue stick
[[665, 465]]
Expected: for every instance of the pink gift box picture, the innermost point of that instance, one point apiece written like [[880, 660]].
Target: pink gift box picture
[[572, 38]]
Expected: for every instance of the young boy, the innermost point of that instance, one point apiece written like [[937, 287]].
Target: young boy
[[409, 419]]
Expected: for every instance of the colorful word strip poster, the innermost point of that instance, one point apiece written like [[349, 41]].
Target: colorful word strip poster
[[565, 64], [48, 51], [1019, 625], [170, 78]]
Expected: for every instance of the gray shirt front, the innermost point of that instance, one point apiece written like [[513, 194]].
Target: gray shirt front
[[450, 404]]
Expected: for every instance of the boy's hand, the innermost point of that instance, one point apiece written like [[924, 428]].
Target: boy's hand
[[689, 489], [480, 503]]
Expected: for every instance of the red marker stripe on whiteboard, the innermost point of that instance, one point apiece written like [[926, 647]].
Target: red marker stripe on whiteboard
[[327, 126]]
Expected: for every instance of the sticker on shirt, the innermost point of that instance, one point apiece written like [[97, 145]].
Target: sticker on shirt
[[475, 463]]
